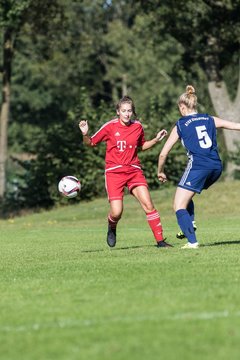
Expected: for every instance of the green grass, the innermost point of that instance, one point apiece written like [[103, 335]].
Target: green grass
[[66, 295]]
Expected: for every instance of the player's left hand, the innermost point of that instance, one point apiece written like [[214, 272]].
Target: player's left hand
[[161, 135]]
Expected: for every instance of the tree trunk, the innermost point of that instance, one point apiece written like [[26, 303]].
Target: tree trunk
[[124, 85], [5, 106], [228, 110]]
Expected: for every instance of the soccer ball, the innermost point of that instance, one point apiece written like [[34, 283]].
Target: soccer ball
[[69, 186]]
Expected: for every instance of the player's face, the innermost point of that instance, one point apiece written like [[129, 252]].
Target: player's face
[[125, 112]]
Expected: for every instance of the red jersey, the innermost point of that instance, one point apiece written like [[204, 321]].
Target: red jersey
[[122, 143]]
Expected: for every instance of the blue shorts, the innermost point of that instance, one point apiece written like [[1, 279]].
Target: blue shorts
[[197, 180]]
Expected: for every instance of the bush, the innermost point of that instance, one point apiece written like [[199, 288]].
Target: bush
[[60, 152]]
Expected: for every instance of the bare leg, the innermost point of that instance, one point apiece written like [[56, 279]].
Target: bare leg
[[116, 209], [142, 194], [182, 198]]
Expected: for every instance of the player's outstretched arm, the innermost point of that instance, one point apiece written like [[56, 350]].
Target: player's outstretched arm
[[225, 124], [171, 141], [159, 137], [83, 126]]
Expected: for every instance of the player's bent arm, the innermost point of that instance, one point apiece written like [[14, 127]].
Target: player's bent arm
[[87, 140], [83, 126], [150, 143], [171, 141], [225, 124]]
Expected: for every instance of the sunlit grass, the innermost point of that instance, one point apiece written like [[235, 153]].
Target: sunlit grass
[[66, 295]]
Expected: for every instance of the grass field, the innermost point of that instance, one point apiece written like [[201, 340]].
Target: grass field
[[66, 295]]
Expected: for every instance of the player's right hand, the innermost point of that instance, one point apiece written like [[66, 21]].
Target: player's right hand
[[162, 177], [83, 126]]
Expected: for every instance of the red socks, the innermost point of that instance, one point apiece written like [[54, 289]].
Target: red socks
[[154, 222]]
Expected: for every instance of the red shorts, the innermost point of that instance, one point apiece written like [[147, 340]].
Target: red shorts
[[115, 182]]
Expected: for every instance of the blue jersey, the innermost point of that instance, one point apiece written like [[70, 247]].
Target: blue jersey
[[197, 133]]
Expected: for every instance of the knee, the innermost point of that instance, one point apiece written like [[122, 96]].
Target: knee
[[116, 215], [177, 205], [148, 207]]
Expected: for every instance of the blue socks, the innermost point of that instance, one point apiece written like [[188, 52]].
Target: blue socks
[[190, 210], [185, 223]]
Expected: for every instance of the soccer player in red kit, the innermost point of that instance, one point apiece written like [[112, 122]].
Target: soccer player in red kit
[[123, 137]]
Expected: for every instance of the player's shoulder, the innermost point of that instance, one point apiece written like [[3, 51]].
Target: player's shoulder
[[203, 116], [136, 122], [112, 121], [193, 118], [109, 123]]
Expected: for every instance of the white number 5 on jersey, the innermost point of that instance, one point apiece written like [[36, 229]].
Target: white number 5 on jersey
[[204, 140]]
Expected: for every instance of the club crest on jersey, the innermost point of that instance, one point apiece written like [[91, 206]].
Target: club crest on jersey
[[121, 145]]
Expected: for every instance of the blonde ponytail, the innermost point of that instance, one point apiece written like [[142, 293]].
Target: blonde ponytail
[[189, 98]]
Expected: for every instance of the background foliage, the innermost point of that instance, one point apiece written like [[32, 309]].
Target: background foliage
[[77, 66]]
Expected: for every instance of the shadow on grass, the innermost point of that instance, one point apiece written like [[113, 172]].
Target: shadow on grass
[[118, 248], [233, 242]]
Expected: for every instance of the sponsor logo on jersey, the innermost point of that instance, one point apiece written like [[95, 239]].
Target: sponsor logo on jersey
[[188, 183], [117, 134], [121, 145]]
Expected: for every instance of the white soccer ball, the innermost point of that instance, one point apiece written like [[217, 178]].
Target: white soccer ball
[[69, 186]]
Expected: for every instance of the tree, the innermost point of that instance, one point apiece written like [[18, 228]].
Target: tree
[[14, 15], [210, 36], [104, 49], [135, 65], [60, 152]]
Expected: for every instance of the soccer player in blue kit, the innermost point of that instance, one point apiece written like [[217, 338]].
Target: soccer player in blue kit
[[197, 133]]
